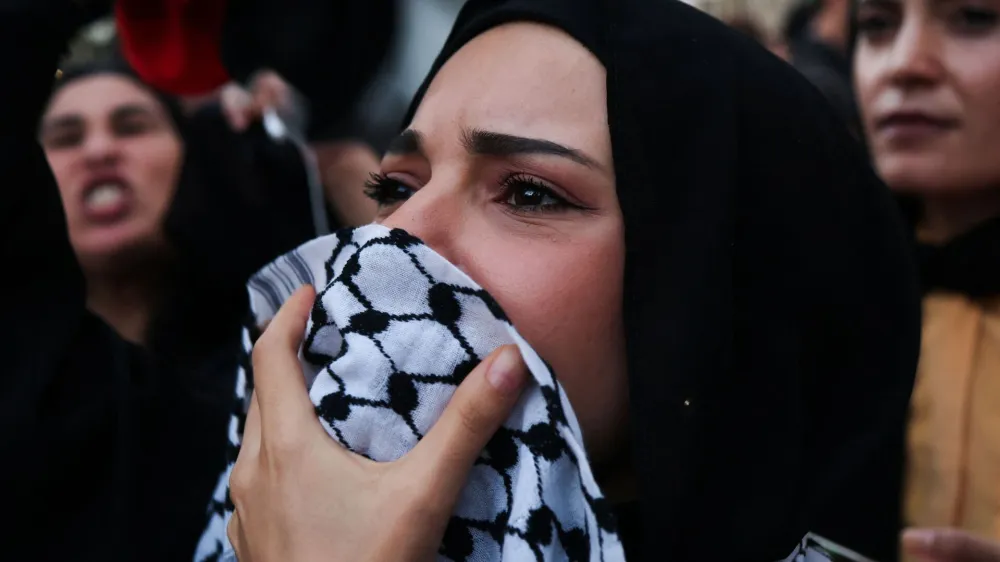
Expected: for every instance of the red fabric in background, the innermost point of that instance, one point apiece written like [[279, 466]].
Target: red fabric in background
[[174, 45]]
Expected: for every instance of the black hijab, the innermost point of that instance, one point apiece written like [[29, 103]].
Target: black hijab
[[772, 314], [118, 67]]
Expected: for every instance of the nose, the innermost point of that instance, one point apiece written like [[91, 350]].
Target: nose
[[914, 59], [436, 213], [101, 150]]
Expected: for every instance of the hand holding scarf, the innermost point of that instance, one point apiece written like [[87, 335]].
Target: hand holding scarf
[[298, 496]]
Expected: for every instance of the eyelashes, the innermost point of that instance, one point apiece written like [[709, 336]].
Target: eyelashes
[[975, 19], [526, 194], [386, 191], [519, 192]]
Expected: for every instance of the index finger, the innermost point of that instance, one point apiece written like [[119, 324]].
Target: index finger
[[477, 409], [279, 383]]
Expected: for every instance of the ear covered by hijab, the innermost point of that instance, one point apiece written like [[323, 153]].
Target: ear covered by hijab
[[772, 311]]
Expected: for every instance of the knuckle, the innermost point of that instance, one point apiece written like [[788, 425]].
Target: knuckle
[[472, 419], [284, 450], [260, 350], [240, 482]]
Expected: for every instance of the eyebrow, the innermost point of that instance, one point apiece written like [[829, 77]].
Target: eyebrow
[[131, 110], [76, 120], [490, 143], [62, 122]]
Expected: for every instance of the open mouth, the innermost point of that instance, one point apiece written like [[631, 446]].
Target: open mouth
[[106, 199]]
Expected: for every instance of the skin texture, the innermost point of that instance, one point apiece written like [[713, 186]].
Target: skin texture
[[940, 59], [556, 269], [108, 126]]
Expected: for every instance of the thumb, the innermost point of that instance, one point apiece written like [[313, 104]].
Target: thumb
[[949, 545], [477, 409], [279, 383]]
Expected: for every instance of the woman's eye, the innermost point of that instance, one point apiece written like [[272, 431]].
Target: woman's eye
[[974, 19], [131, 128], [526, 194], [63, 140], [386, 191], [874, 24]]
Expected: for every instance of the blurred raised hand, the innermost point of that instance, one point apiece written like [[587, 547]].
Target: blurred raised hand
[[266, 90]]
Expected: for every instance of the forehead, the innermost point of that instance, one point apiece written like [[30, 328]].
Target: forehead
[[99, 95], [524, 79]]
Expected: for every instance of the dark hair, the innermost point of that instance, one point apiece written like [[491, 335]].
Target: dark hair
[[118, 67]]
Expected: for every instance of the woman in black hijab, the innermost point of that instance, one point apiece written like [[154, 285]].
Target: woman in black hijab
[[927, 76], [100, 433], [120, 151], [766, 302]]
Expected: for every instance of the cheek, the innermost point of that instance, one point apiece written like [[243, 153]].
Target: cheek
[[157, 168], [62, 170], [566, 300], [969, 162], [553, 292], [547, 284], [66, 169], [865, 78], [978, 81]]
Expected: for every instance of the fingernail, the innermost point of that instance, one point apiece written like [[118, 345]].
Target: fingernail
[[507, 372]]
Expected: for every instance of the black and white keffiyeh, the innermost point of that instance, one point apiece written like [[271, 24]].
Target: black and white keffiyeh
[[814, 548], [394, 330]]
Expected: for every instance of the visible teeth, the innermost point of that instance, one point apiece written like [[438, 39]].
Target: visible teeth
[[105, 195]]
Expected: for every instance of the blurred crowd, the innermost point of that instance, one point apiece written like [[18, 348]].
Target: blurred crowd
[[194, 143]]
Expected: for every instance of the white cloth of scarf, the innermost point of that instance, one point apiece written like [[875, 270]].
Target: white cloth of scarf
[[394, 330]]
